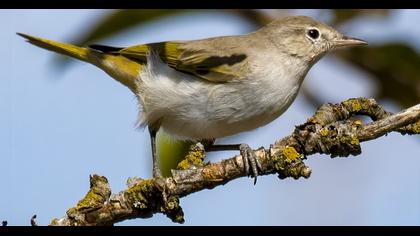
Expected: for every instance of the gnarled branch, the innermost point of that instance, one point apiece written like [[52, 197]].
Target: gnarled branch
[[331, 130]]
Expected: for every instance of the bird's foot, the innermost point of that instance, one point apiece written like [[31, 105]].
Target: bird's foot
[[160, 181], [251, 162], [161, 185], [156, 172]]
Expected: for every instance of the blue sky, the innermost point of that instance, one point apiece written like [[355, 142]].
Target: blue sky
[[58, 127]]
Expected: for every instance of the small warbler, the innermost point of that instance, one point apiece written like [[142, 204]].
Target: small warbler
[[200, 90]]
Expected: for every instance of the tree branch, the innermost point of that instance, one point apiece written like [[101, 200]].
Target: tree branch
[[331, 130]]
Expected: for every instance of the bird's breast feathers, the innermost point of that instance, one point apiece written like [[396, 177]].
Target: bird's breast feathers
[[192, 108]]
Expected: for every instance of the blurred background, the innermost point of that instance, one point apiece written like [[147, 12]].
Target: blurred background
[[62, 120]]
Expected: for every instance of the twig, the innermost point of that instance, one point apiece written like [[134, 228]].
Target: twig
[[33, 222], [331, 130]]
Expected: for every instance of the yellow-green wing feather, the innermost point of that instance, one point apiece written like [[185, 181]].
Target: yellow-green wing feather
[[168, 51], [213, 66]]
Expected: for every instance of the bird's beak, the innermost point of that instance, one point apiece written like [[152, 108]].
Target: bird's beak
[[345, 41]]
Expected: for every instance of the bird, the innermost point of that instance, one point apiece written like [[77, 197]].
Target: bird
[[205, 89]]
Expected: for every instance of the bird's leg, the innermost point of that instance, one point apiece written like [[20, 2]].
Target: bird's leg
[[157, 175], [251, 163], [156, 170]]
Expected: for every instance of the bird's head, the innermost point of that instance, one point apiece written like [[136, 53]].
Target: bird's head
[[306, 38]]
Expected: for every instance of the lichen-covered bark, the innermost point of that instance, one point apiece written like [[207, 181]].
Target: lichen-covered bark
[[331, 130]]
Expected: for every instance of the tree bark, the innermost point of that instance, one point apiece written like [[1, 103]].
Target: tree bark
[[331, 130]]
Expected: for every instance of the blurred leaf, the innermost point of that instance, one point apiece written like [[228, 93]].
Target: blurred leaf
[[115, 23], [122, 20], [396, 68], [257, 17], [343, 15]]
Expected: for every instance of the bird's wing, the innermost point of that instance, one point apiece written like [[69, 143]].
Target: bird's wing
[[214, 65]]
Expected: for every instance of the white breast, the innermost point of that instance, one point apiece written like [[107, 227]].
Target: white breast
[[191, 108]]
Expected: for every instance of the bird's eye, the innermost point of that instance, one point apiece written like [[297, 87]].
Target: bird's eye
[[313, 33]]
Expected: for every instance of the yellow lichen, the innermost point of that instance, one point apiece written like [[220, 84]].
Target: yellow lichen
[[416, 127], [354, 141], [354, 104], [290, 154], [413, 128], [194, 157], [358, 122], [54, 221], [172, 202], [312, 120], [324, 132], [183, 165], [71, 211], [137, 193], [142, 186], [91, 200]]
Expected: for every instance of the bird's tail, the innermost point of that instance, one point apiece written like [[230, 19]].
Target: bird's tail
[[118, 67], [62, 48]]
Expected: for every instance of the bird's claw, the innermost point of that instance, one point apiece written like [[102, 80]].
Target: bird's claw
[[161, 185], [251, 162]]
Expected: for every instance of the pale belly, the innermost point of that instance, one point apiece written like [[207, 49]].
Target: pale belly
[[194, 109], [207, 111]]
